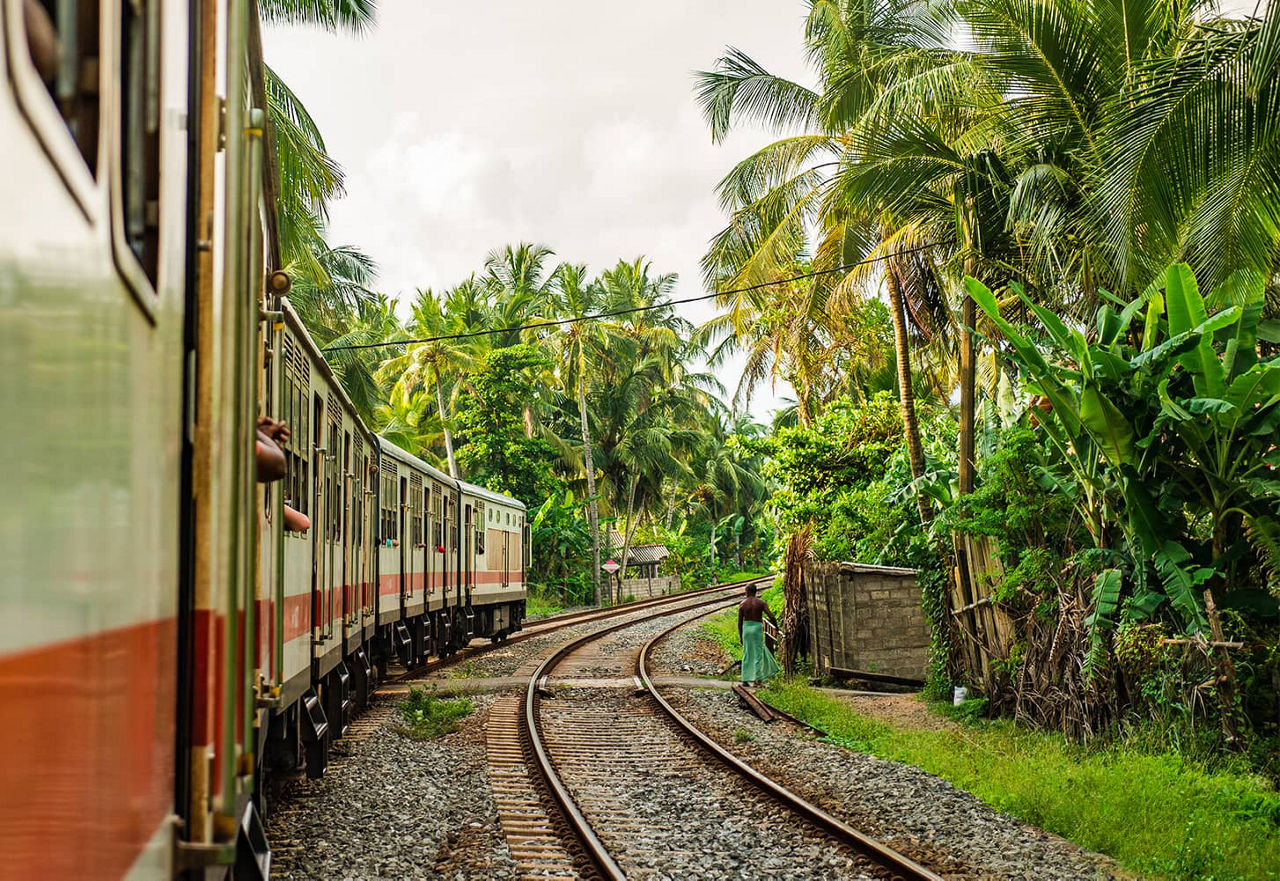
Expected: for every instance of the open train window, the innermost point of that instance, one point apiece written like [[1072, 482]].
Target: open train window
[[415, 510], [139, 186], [135, 169], [297, 451], [54, 61], [437, 519], [389, 514]]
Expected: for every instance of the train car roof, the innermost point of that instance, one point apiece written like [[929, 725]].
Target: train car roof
[[469, 488], [292, 319], [472, 489], [410, 459]]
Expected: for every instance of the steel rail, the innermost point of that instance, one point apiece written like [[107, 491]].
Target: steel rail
[[567, 619], [877, 851], [594, 847]]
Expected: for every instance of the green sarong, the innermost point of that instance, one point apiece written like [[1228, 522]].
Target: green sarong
[[757, 662]]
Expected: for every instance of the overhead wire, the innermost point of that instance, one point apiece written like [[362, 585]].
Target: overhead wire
[[613, 314]]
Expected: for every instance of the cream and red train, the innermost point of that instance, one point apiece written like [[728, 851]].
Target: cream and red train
[[165, 644]]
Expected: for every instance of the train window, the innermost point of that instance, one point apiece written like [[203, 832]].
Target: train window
[[387, 525], [479, 522], [297, 378], [415, 509], [140, 132], [437, 517], [62, 42], [333, 481]]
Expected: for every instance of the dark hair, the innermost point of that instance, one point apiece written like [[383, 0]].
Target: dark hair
[[751, 589]]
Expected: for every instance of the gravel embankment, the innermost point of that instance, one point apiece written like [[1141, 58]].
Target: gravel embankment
[[949, 830], [392, 807], [688, 652]]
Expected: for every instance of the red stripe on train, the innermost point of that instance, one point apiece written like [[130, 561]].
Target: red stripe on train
[[86, 756]]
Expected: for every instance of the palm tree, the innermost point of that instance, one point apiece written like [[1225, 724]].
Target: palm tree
[[433, 360], [576, 346], [862, 51], [308, 177]]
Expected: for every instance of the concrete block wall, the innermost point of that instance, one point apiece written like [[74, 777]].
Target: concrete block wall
[[866, 618], [645, 588]]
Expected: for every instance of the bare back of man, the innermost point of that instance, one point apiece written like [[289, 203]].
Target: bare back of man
[[754, 609]]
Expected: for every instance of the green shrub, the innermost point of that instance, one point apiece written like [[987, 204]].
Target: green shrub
[[426, 717]]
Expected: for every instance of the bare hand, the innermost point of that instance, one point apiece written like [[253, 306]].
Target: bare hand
[[276, 431]]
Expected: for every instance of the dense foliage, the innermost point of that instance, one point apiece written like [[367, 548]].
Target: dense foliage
[[1089, 451]]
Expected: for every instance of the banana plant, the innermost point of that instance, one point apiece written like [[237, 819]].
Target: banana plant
[[1167, 418]]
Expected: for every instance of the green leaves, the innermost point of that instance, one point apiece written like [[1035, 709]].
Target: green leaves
[[1178, 427], [1183, 583], [1107, 424]]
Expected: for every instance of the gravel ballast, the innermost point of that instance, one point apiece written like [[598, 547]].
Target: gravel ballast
[[949, 830], [393, 807]]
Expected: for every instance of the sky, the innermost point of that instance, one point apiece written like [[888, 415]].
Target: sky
[[566, 123]]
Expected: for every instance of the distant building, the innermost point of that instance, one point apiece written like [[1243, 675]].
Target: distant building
[[642, 561]]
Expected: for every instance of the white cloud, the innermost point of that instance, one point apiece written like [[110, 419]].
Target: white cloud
[[569, 123]]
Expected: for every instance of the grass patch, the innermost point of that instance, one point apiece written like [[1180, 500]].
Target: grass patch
[[740, 576], [1159, 815], [742, 735], [468, 670], [426, 716], [540, 605]]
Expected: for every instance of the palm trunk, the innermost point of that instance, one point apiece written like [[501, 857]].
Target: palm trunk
[[671, 505], [968, 373], [906, 393], [528, 421], [593, 512], [1227, 688], [969, 623], [448, 435], [630, 530]]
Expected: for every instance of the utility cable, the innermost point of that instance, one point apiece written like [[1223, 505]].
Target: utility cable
[[663, 305]]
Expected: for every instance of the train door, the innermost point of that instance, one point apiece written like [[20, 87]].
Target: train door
[[429, 547], [335, 503], [506, 558], [347, 561], [415, 534], [401, 506], [452, 581], [468, 552], [321, 521]]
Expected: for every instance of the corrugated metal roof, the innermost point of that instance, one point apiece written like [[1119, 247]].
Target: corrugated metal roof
[[647, 554], [639, 554]]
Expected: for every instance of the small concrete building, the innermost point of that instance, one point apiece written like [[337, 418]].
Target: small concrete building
[[641, 580], [866, 620]]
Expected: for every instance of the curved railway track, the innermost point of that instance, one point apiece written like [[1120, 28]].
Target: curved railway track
[[553, 623], [570, 767]]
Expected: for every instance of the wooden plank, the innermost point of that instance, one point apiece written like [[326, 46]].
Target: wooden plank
[[753, 703], [841, 673]]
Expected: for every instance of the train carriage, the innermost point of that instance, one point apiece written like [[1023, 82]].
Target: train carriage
[[495, 558], [166, 643], [317, 605], [93, 282]]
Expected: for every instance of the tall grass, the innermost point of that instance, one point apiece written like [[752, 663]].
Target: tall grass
[[1159, 815]]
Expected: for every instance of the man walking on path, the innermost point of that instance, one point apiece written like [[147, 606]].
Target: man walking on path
[[757, 662]]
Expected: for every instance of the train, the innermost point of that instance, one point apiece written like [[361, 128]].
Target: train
[[169, 643]]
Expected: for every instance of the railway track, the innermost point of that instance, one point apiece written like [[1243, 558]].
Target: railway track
[[553, 623], [588, 765]]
